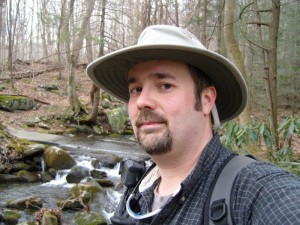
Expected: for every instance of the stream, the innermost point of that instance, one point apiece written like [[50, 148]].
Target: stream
[[83, 149]]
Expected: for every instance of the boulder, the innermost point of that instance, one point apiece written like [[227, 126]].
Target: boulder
[[31, 202], [11, 178], [105, 182], [46, 177], [86, 191], [12, 103], [108, 161], [49, 219], [89, 218], [77, 174], [116, 120], [11, 217], [58, 158], [29, 176], [34, 149], [71, 204], [105, 103], [98, 174], [17, 166]]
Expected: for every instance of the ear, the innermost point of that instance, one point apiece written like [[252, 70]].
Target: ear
[[208, 98]]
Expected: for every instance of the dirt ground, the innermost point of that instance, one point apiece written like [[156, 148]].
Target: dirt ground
[[51, 103]]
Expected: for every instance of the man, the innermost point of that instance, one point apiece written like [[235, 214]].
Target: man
[[177, 93]]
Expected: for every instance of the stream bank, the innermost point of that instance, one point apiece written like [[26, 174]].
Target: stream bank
[[85, 150]]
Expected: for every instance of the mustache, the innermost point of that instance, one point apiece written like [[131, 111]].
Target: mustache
[[149, 115]]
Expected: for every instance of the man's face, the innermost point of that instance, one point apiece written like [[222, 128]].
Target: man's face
[[161, 106]]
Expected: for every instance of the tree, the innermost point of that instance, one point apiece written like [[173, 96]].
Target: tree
[[233, 50], [73, 54], [269, 56], [2, 33], [95, 91]]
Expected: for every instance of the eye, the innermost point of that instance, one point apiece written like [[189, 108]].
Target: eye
[[136, 90], [166, 86]]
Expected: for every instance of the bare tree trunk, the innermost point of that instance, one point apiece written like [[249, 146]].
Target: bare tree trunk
[[95, 91], [59, 38], [204, 25], [74, 55], [269, 56], [271, 71], [233, 50], [2, 34], [43, 20], [146, 17], [11, 27], [176, 14]]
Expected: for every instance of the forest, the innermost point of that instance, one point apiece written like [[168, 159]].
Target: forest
[[262, 38], [45, 47]]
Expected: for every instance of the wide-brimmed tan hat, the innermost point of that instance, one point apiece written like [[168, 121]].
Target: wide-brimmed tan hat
[[164, 42]]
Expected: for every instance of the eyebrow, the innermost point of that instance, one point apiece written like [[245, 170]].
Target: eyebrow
[[157, 75]]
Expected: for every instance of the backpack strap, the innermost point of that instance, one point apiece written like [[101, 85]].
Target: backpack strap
[[218, 204]]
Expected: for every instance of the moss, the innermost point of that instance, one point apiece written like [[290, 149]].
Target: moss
[[90, 218], [11, 217], [19, 145]]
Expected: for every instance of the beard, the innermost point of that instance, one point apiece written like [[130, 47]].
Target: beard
[[154, 141]]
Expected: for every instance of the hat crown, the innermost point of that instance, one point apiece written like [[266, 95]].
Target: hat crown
[[168, 35]]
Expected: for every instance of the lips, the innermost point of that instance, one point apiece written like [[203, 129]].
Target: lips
[[149, 123]]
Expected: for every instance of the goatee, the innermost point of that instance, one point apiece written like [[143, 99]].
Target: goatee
[[153, 141]]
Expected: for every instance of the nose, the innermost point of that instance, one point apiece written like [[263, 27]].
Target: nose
[[145, 99]]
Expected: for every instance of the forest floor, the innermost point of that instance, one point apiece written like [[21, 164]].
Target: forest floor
[[51, 103]]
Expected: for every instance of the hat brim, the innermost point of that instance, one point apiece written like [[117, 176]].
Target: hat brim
[[109, 73]]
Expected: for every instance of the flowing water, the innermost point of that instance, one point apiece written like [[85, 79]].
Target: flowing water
[[84, 149]]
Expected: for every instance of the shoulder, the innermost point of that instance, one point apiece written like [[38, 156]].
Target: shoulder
[[266, 194]]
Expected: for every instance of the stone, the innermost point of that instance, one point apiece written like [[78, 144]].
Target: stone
[[11, 103], [57, 158], [77, 174], [86, 191], [11, 217], [10, 178], [98, 174], [49, 219], [17, 166], [29, 176], [105, 103], [31, 202], [105, 182], [116, 120], [89, 218], [49, 87], [34, 149], [46, 177], [71, 204]]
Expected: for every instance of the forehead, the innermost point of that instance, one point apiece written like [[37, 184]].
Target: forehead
[[154, 67]]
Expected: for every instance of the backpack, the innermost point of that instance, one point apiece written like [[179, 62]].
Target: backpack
[[218, 204]]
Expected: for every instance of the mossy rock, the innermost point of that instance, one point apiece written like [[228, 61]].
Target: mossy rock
[[11, 217], [86, 191], [116, 120], [29, 176], [11, 103], [49, 219], [19, 145], [89, 218], [105, 182], [30, 202], [58, 158]]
